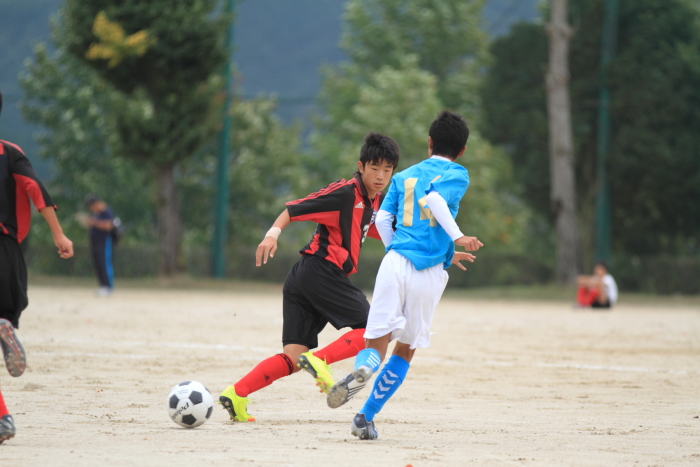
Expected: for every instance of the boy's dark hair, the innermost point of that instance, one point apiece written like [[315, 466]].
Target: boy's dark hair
[[600, 262], [91, 198], [449, 133], [379, 147]]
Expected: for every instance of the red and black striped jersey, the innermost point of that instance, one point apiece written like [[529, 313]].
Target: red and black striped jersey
[[18, 183], [345, 216]]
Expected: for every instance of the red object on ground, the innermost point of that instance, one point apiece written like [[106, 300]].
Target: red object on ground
[[586, 296]]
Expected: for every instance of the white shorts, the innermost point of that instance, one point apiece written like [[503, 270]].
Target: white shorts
[[404, 301]]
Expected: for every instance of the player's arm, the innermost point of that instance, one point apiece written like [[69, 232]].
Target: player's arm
[[322, 207], [268, 246], [387, 214], [65, 246], [26, 178], [441, 212], [102, 224], [384, 223]]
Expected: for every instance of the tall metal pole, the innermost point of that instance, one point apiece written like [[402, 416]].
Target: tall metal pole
[[219, 240], [603, 249]]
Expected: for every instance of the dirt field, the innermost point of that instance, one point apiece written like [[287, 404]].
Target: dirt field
[[505, 383]]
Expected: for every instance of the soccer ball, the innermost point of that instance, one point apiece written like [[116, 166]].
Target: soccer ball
[[190, 404]]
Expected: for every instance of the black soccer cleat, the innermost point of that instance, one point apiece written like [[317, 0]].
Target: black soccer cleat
[[7, 428], [362, 428], [12, 349]]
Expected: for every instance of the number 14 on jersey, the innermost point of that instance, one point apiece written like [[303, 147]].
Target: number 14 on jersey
[[409, 186]]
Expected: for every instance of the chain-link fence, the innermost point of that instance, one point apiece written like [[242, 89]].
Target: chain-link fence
[[653, 274]]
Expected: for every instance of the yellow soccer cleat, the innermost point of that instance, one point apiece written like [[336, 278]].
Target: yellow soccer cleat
[[235, 405], [318, 369]]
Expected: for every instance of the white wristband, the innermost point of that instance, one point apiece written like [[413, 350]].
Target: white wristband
[[274, 232]]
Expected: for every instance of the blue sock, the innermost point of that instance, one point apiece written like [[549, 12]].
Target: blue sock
[[386, 384], [368, 357]]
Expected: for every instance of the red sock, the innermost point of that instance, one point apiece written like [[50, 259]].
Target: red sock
[[347, 346], [267, 372], [3, 408]]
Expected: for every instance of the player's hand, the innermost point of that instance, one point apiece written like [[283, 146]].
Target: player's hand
[[266, 249], [82, 218], [462, 256], [65, 246], [469, 243]]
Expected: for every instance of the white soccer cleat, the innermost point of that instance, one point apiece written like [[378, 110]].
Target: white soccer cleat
[[345, 389]]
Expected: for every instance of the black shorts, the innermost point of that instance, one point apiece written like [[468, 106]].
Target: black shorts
[[13, 280], [317, 292], [605, 304]]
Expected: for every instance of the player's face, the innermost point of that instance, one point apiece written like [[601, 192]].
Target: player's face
[[375, 176]]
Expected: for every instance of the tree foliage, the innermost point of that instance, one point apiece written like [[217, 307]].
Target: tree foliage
[[654, 161], [164, 57], [264, 173], [77, 109], [399, 78], [445, 36], [68, 101], [186, 52]]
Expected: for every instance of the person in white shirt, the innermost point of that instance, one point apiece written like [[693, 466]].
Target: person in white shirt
[[598, 290]]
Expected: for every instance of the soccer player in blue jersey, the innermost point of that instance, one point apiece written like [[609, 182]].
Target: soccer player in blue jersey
[[423, 201]]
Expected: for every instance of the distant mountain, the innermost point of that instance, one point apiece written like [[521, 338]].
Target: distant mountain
[[279, 47]]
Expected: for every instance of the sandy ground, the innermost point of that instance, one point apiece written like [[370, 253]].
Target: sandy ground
[[505, 383]]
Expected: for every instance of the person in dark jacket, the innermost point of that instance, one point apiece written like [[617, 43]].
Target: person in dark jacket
[[101, 223]]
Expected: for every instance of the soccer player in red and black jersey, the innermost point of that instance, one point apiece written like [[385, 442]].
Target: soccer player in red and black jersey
[[317, 290], [18, 184]]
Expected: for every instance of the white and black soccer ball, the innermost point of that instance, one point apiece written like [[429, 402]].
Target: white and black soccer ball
[[190, 404]]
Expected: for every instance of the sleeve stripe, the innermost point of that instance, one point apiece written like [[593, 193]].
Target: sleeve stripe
[[31, 187], [329, 189], [13, 145]]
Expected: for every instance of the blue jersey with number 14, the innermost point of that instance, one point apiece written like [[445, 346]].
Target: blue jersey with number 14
[[419, 237]]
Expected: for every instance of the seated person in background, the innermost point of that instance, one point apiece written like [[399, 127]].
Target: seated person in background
[[598, 290]]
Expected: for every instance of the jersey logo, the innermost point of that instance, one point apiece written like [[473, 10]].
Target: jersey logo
[[359, 205]]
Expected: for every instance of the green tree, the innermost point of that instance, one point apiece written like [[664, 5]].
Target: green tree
[[445, 36], [394, 101], [163, 56], [654, 161], [402, 103], [68, 100], [264, 173], [409, 60], [75, 108]]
